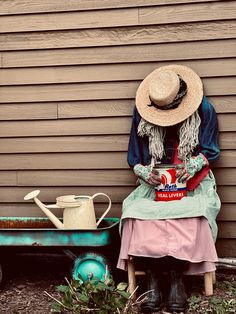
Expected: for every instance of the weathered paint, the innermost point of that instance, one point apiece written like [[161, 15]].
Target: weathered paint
[[14, 235], [25, 222]]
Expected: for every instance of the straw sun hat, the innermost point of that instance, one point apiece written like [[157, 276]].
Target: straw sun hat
[[157, 96]]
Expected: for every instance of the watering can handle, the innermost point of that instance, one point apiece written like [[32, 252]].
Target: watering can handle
[[108, 208]]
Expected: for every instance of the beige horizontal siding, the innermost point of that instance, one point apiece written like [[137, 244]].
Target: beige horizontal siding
[[26, 111], [65, 144], [69, 71], [227, 230], [99, 160], [99, 73], [29, 209], [224, 29], [188, 13], [100, 90], [103, 177], [227, 213], [88, 126], [119, 17], [117, 194], [92, 143], [71, 20], [88, 109], [81, 160], [226, 104], [226, 247], [34, 6], [227, 140], [120, 54]]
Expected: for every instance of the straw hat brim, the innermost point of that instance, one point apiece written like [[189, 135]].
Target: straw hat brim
[[186, 108]]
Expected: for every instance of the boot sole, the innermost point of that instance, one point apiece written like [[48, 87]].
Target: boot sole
[[176, 308], [148, 309]]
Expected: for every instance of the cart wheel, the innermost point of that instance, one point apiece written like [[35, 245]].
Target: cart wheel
[[91, 265]]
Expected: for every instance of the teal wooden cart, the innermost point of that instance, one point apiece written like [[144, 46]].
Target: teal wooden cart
[[91, 251]]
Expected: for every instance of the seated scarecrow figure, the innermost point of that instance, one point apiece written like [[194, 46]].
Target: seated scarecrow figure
[[173, 123]]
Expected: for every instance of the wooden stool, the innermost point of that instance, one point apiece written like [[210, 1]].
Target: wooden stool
[[209, 279]]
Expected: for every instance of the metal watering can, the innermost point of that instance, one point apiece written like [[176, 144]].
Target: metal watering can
[[78, 211]]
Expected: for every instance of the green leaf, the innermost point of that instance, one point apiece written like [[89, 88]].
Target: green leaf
[[63, 288], [124, 294], [122, 286], [56, 307], [103, 286], [82, 297]]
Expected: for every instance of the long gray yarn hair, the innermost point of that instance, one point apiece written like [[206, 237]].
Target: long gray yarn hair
[[188, 137]]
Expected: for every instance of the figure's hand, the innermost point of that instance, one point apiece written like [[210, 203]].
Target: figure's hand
[[151, 177], [194, 164]]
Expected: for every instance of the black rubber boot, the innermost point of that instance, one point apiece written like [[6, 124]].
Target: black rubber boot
[[153, 303], [177, 298]]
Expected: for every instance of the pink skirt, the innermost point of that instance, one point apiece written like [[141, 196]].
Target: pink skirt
[[187, 239]]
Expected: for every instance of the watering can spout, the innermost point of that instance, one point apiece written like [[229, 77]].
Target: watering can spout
[[33, 195]]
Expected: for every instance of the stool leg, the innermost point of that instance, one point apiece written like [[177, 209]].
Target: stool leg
[[131, 278], [214, 277], [208, 281]]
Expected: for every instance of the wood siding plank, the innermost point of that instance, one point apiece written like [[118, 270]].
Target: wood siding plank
[[227, 140], [37, 6], [96, 143], [225, 176], [227, 230], [83, 160], [66, 127], [65, 92], [117, 194], [93, 126], [121, 54], [226, 122], [28, 111], [226, 247], [109, 160], [227, 194], [103, 177], [227, 213], [226, 104], [71, 20], [119, 17], [227, 159], [49, 194], [76, 178], [117, 36], [100, 90], [8, 178], [104, 73], [64, 144], [187, 13], [32, 210], [97, 108], [88, 109]]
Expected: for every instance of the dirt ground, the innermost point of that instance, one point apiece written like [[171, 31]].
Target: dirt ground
[[26, 278]]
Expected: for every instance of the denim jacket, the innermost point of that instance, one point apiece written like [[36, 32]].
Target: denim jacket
[[138, 150]]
